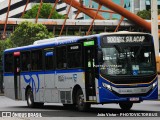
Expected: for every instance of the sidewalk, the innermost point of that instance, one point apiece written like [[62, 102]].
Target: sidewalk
[[1, 94]]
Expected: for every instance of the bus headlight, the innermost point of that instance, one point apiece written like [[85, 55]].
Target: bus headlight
[[107, 86], [154, 84]]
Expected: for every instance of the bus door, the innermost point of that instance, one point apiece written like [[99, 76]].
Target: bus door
[[89, 58], [17, 81]]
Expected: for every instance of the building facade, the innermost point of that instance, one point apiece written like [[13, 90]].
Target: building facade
[[123, 3], [17, 7], [62, 8], [139, 5]]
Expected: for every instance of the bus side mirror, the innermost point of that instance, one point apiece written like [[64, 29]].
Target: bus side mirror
[[100, 56]]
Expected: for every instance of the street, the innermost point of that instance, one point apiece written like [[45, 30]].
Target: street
[[57, 110]]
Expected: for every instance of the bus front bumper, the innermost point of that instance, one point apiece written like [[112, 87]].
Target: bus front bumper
[[109, 94]]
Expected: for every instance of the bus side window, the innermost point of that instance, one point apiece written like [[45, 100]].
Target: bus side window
[[61, 57], [25, 61], [36, 58], [8, 63], [74, 58], [49, 61]]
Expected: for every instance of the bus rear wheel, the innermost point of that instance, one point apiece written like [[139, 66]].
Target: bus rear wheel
[[81, 105], [126, 106], [30, 99]]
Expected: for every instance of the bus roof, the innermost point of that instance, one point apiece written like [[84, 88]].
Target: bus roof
[[64, 40], [50, 42], [122, 32]]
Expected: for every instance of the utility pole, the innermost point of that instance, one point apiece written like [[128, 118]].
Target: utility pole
[[154, 20]]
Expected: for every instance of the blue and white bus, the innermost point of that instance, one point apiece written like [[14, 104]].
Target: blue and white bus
[[80, 71]]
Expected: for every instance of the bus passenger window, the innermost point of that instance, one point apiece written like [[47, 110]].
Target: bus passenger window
[[61, 57], [8, 63], [74, 56], [49, 59], [36, 58], [25, 61]]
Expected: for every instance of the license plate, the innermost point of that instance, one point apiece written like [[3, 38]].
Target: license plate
[[134, 99]]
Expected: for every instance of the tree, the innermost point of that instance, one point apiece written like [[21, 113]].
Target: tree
[[5, 44], [27, 32], [44, 13], [145, 14]]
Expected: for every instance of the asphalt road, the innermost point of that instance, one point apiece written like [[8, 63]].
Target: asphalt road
[[57, 110]]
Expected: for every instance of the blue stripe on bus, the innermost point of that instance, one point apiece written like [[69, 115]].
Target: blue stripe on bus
[[69, 71], [8, 74], [47, 72]]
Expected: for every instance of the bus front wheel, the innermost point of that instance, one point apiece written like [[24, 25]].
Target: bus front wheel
[[30, 99], [81, 104], [126, 106]]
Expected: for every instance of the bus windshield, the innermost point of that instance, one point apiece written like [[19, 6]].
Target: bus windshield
[[128, 60]]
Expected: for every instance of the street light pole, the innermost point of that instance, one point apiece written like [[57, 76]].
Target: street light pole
[[154, 20]]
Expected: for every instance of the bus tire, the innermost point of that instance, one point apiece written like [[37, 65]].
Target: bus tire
[[30, 99], [69, 106], [126, 106], [81, 105]]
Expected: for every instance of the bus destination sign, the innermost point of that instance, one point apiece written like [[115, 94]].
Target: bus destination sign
[[124, 39]]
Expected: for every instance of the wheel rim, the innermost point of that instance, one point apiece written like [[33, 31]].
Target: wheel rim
[[30, 99], [81, 101]]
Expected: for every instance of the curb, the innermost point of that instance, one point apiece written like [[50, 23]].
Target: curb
[[1, 94]]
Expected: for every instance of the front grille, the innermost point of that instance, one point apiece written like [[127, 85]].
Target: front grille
[[129, 79], [132, 95]]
